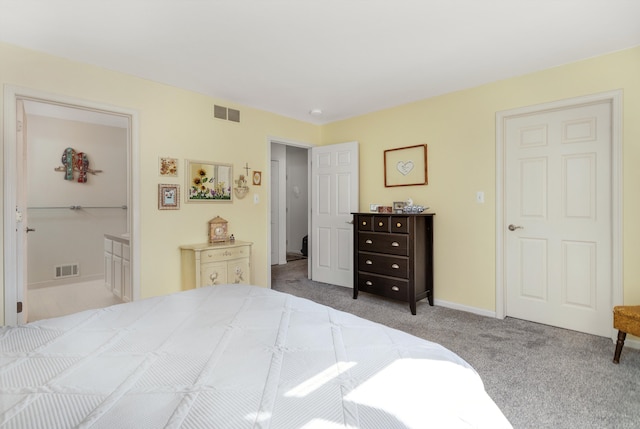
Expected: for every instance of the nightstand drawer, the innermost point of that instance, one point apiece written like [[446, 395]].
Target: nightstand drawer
[[393, 244], [224, 254], [395, 266], [385, 286]]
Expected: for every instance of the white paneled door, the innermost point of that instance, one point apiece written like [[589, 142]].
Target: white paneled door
[[558, 217], [334, 196]]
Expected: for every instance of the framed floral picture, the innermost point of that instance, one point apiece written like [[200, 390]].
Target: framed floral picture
[[208, 182], [168, 167], [168, 197]]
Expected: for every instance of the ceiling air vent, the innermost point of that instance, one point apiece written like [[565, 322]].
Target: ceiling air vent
[[221, 112]]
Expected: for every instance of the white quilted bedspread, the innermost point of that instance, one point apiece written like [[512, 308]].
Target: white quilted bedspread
[[232, 356]]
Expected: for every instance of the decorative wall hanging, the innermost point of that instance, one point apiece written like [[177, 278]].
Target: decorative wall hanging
[[241, 188], [208, 181], [257, 178], [73, 162], [168, 197], [168, 167], [405, 166]]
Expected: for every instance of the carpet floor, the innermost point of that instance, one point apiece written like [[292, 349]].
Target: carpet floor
[[540, 376]]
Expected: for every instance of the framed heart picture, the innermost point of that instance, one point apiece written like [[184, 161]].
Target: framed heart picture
[[405, 166]]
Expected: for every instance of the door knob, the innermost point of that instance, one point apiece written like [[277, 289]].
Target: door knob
[[513, 227], [30, 229]]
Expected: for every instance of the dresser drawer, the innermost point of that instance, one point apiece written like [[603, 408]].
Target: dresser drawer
[[395, 266], [224, 254], [365, 223], [385, 286], [399, 224], [393, 244], [381, 223]]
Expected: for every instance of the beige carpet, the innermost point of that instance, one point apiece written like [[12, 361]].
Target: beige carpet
[[540, 376]]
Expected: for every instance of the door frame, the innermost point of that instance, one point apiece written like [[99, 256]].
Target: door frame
[[304, 145], [12, 93], [613, 97]]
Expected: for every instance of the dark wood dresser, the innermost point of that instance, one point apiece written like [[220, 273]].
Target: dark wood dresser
[[393, 256]]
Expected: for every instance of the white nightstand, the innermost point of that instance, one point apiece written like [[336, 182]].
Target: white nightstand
[[210, 264]]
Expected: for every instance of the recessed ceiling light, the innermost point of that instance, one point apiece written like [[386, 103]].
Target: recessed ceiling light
[[315, 112]]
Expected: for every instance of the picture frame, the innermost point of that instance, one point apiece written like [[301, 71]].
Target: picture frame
[[207, 181], [168, 196], [398, 206], [167, 167], [405, 166], [257, 178]]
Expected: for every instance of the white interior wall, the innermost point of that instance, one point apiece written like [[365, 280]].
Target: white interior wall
[[297, 198], [66, 236]]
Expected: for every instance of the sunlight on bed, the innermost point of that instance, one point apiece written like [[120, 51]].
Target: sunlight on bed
[[320, 379], [455, 396]]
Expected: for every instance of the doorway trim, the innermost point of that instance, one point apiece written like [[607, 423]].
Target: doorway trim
[[613, 97], [11, 94], [286, 142]]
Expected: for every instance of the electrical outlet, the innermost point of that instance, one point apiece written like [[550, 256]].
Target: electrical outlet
[[373, 207]]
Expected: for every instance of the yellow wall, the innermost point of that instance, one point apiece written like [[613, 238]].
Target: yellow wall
[[459, 129], [179, 124]]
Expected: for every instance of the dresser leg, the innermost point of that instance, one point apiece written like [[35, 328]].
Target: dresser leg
[[430, 298], [412, 306]]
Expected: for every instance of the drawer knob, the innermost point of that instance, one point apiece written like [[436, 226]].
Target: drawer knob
[[369, 242], [364, 223], [398, 225], [368, 283], [368, 262], [395, 244], [380, 223], [395, 288], [395, 266]]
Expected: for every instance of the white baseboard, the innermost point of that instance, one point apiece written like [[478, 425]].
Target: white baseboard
[[65, 281], [632, 343], [474, 310]]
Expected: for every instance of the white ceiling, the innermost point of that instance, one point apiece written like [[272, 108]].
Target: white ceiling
[[346, 57]]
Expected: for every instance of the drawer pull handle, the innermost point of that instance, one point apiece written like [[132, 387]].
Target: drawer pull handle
[[395, 288], [369, 242], [368, 262], [380, 223], [368, 283], [398, 225], [395, 266], [395, 244], [213, 276]]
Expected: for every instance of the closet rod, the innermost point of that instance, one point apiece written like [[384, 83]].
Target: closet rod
[[81, 207]]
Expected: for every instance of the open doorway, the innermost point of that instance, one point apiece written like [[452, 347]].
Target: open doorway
[[31, 153], [72, 207], [289, 203]]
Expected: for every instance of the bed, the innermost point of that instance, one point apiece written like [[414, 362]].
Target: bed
[[232, 356]]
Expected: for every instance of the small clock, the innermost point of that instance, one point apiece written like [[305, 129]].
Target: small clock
[[217, 230]]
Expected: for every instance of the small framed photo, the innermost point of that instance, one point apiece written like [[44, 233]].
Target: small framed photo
[[257, 178], [398, 206], [168, 167], [168, 197]]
